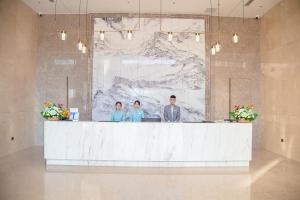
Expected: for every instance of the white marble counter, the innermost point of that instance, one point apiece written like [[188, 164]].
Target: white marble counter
[[147, 144]]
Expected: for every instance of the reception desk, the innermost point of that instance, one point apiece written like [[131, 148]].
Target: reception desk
[[87, 143]]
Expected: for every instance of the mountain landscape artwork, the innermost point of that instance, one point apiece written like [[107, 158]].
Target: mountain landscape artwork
[[149, 67]]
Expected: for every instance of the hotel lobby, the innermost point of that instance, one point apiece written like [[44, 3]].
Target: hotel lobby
[[140, 99]]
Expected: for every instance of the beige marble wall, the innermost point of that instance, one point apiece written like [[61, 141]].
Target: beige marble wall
[[239, 62], [280, 66], [18, 111], [52, 52]]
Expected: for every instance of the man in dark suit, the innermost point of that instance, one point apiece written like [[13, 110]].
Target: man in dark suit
[[172, 112]]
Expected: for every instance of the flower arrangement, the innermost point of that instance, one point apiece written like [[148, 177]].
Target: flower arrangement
[[52, 111], [243, 113]]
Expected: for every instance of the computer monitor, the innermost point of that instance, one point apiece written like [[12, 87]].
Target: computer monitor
[[151, 119]]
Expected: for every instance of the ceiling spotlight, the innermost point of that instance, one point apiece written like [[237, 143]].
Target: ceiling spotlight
[[213, 50], [197, 37], [129, 34], [63, 35], [235, 38], [79, 45], [218, 47], [83, 49], [170, 36], [102, 35]]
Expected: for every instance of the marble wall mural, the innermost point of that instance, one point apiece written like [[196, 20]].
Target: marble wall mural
[[149, 67]]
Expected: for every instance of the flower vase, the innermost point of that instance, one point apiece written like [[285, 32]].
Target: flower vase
[[243, 121], [53, 119]]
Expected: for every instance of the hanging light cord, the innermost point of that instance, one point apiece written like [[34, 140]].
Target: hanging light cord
[[160, 10], [218, 20], [243, 2], [211, 20], [79, 19], [55, 5], [86, 20], [139, 14]]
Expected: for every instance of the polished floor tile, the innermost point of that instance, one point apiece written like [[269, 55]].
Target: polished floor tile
[[23, 176]]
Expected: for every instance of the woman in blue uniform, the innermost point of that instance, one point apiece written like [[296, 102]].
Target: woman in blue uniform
[[136, 114], [118, 115]]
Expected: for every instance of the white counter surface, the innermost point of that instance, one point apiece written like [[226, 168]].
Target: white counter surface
[[147, 144]]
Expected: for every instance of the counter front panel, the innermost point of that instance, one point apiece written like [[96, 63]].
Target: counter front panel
[[147, 144]]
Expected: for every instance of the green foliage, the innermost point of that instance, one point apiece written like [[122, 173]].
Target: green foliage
[[245, 112], [52, 110]]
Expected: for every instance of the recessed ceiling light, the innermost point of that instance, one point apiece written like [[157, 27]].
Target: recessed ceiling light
[[52, 1]]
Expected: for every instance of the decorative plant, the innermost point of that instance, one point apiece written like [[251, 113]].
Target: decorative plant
[[245, 112], [53, 111]]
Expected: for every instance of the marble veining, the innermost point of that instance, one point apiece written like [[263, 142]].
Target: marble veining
[[149, 67], [148, 144]]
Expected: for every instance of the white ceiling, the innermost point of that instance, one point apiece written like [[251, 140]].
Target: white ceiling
[[228, 8]]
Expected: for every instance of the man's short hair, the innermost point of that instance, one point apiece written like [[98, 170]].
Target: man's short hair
[[138, 102], [172, 97]]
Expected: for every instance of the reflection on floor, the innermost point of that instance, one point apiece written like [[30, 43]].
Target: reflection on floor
[[23, 177]]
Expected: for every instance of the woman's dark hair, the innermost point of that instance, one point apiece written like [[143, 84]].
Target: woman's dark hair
[[138, 102], [172, 97], [119, 102]]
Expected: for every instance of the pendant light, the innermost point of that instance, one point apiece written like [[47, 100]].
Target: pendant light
[[102, 35], [218, 47], [197, 37], [84, 49], [63, 35], [129, 34], [170, 36], [84, 46], [79, 43], [213, 50], [235, 38]]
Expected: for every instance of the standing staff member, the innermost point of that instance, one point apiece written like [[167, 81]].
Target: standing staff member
[[172, 112], [136, 114], [118, 115]]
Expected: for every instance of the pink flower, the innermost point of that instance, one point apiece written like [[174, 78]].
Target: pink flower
[[236, 107]]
